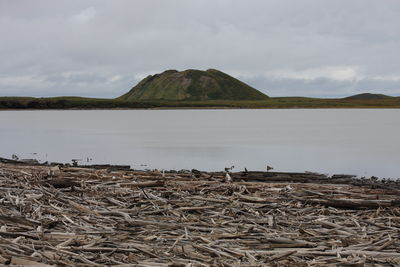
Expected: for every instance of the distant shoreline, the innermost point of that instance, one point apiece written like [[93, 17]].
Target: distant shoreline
[[256, 175], [149, 109], [201, 108], [297, 176], [81, 103]]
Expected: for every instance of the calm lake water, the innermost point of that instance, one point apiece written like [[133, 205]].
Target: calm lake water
[[357, 141]]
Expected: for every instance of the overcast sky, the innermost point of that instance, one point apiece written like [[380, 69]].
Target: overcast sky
[[321, 48]]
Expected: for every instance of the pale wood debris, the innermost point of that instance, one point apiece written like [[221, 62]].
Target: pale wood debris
[[72, 216]]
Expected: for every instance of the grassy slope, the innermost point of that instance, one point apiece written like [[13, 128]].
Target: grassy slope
[[275, 102], [192, 85], [368, 96]]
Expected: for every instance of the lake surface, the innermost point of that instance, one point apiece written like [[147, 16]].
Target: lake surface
[[364, 142]]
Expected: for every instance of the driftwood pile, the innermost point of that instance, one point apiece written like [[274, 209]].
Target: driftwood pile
[[68, 216]]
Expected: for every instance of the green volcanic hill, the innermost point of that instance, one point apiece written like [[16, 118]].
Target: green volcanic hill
[[192, 85], [368, 96]]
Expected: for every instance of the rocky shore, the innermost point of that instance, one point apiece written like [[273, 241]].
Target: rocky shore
[[107, 216]]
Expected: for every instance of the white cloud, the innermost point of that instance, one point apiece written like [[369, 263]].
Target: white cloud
[[115, 78], [22, 81], [141, 75], [84, 15], [394, 78], [339, 73]]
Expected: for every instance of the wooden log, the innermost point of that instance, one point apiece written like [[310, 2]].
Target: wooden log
[[144, 184], [61, 182], [26, 262], [352, 203]]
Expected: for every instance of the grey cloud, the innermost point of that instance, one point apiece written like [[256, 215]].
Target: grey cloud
[[95, 41]]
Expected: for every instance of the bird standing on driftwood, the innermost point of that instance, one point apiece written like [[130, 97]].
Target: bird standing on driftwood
[[269, 168], [229, 169], [228, 178]]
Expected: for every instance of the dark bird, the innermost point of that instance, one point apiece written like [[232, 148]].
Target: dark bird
[[229, 169], [269, 168]]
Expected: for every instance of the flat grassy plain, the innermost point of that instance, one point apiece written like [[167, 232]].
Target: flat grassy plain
[[273, 102]]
